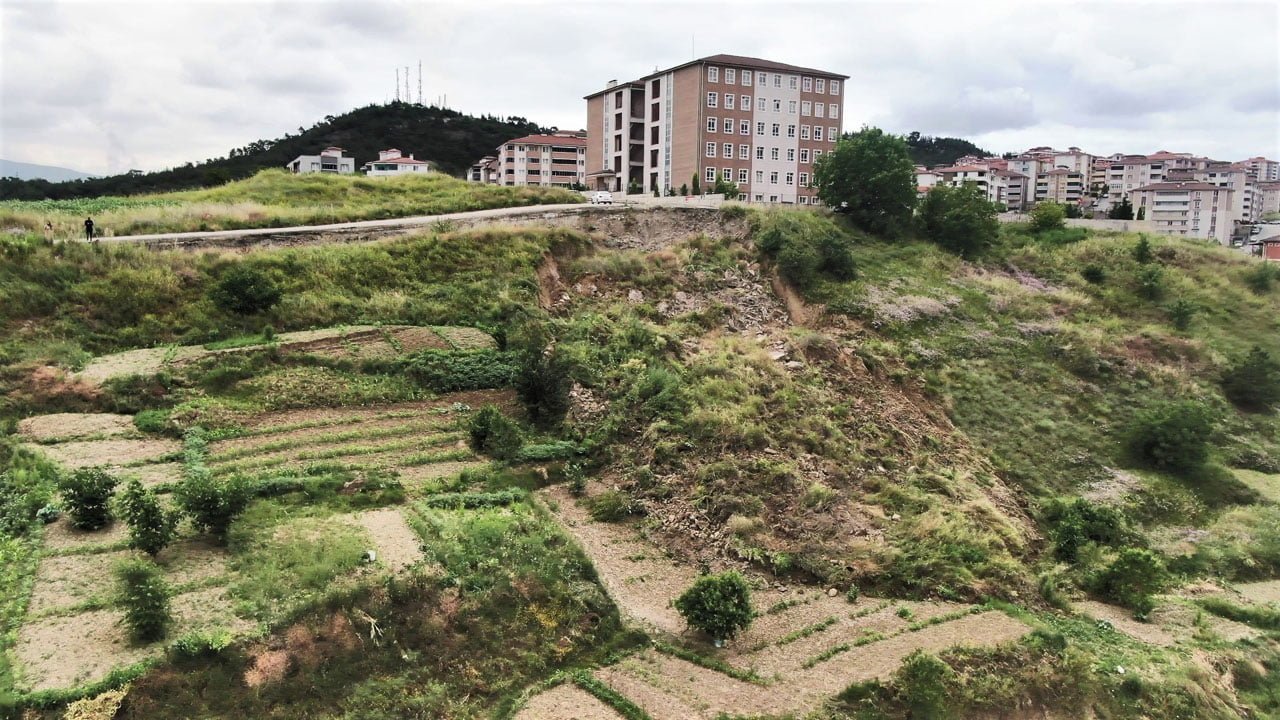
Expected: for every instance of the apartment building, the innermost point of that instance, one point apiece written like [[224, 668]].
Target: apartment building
[[330, 160], [1062, 186], [1235, 176], [1264, 170], [1010, 189], [484, 170], [758, 124], [1266, 198], [1130, 173], [558, 160], [1192, 209]]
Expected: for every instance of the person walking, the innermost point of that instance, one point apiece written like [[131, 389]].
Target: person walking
[[88, 229]]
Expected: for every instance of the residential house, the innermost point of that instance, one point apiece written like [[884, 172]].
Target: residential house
[[330, 160], [392, 162]]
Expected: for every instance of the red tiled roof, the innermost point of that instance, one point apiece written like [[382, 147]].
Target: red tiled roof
[[549, 140]]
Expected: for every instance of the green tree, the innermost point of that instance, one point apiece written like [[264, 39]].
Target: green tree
[[697, 186], [543, 385], [213, 505], [87, 493], [1122, 210], [921, 683], [1132, 578], [1253, 381], [1181, 313], [871, 176], [1142, 251], [151, 527], [245, 291], [719, 605], [1048, 216], [960, 219], [726, 188], [1172, 436], [145, 598]]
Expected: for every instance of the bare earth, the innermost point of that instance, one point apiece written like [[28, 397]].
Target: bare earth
[[566, 702], [1122, 620], [397, 544], [69, 426], [92, 453], [1267, 591], [60, 536]]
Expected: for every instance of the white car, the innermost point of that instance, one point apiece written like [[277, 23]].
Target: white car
[[602, 197]]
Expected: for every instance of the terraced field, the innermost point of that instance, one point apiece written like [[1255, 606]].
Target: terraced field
[[72, 632], [805, 647]]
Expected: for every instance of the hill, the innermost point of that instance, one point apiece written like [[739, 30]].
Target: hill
[[31, 171], [447, 137], [936, 151], [936, 474]]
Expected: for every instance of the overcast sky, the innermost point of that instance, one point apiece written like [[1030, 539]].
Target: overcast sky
[[108, 86]]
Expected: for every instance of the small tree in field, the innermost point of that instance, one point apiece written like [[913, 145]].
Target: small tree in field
[[1253, 381], [1122, 210], [145, 598], [1172, 437], [1048, 216], [151, 527], [870, 175], [697, 186], [718, 605], [87, 493], [960, 219], [245, 291], [211, 504]]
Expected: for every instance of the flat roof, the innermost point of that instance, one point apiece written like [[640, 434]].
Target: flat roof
[[736, 60]]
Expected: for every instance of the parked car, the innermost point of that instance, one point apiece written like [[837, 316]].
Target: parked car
[[602, 197]]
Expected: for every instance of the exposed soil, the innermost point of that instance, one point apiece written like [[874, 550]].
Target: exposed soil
[[209, 608], [150, 475], [437, 471], [68, 580], [145, 361], [474, 399], [1122, 620], [566, 702], [192, 560], [398, 546], [71, 426], [61, 536], [92, 453], [310, 436], [1267, 591], [59, 652]]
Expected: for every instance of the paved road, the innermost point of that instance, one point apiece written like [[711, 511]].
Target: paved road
[[389, 225]]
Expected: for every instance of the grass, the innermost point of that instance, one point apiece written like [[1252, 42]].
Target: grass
[[273, 198]]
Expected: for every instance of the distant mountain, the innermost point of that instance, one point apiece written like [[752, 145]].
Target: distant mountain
[[446, 137], [31, 171], [934, 151]]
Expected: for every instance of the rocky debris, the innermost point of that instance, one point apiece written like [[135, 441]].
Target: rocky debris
[[635, 297], [586, 406]]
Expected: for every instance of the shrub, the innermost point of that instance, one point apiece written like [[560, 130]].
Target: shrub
[[798, 263], [612, 506], [452, 371], [1253, 381], [1151, 282], [543, 385], [1172, 437], [201, 644], [718, 605], [145, 598], [1048, 216], [1073, 524], [87, 492], [921, 684], [1132, 578], [1181, 312], [244, 291], [1094, 274], [212, 505], [494, 434], [1261, 278], [1142, 251], [23, 496], [151, 527], [153, 421]]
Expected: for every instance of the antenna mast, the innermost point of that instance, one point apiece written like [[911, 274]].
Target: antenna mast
[[408, 97], [419, 82], [397, 84]]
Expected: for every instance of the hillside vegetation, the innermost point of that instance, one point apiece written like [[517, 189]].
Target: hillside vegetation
[[783, 395], [272, 198], [446, 137]]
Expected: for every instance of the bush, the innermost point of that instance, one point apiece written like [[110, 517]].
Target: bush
[[1132, 578], [1253, 381], [1172, 437], [153, 421], [1094, 274], [145, 598], [612, 506], [921, 685], [1261, 278], [798, 263], [1142, 251], [494, 434], [1071, 525], [803, 246], [718, 605], [1151, 282], [244, 291], [452, 371], [87, 494], [23, 495], [151, 527], [543, 385], [201, 644], [960, 219], [1048, 216], [1181, 312]]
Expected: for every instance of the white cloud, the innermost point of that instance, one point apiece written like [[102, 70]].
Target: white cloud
[[105, 86]]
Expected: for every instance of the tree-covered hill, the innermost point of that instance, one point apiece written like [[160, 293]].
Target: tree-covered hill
[[446, 137], [934, 151]]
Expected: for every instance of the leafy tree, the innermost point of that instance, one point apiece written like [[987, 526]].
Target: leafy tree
[[1253, 381], [494, 434], [719, 604], [921, 682], [960, 219], [244, 291], [213, 505], [1181, 312], [87, 493], [543, 385], [1048, 216], [1122, 210], [151, 527], [726, 188], [1172, 437], [697, 186], [145, 598], [1132, 578], [1073, 210], [871, 175]]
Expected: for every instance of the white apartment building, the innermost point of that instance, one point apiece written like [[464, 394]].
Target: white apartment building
[[1010, 188], [1266, 198], [1134, 171], [330, 160], [392, 162], [548, 160], [1236, 177], [1191, 209], [1264, 170], [1062, 185]]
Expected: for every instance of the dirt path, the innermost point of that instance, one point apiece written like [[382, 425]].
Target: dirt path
[[398, 546]]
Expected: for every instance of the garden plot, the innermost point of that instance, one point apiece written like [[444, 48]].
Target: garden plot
[[566, 702], [805, 647], [398, 546], [60, 427], [76, 454], [354, 342]]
